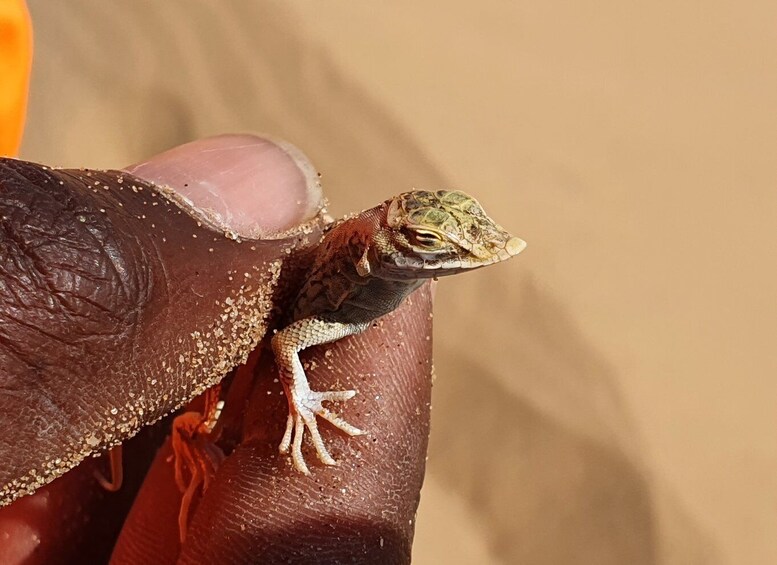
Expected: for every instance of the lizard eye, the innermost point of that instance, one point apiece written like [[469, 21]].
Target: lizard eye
[[424, 238]]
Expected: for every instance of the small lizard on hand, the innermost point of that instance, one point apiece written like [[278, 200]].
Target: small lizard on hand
[[364, 267]]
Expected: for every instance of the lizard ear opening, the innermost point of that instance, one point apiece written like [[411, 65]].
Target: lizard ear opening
[[363, 266], [394, 213]]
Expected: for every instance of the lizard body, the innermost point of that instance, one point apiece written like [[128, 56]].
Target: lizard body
[[364, 267]]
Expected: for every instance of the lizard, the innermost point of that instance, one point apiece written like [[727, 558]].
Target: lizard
[[364, 267]]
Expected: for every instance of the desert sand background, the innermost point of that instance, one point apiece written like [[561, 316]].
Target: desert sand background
[[609, 396]]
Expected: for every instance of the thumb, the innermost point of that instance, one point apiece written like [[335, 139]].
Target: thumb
[[131, 305]]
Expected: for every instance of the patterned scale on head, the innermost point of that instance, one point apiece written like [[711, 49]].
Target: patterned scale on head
[[442, 231]]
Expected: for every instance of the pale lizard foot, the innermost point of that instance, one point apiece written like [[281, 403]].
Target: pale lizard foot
[[304, 406]]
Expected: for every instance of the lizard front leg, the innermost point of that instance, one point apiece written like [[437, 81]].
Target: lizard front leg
[[304, 403]]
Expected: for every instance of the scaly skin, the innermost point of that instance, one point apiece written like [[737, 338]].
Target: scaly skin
[[364, 268]]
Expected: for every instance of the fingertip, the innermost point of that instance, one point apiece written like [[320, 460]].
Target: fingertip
[[249, 185]]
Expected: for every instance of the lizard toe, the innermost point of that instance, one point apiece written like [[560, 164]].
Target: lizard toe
[[339, 423], [286, 441], [318, 441], [296, 448], [337, 395]]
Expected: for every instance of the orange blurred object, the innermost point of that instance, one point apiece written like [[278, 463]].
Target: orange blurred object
[[15, 64]]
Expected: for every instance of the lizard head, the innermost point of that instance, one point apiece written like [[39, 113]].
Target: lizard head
[[430, 234]]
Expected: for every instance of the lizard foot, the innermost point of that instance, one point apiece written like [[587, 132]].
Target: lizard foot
[[195, 455], [304, 406]]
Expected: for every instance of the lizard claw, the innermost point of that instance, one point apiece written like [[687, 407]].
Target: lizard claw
[[303, 409]]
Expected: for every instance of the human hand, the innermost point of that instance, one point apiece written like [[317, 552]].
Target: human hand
[[258, 507]]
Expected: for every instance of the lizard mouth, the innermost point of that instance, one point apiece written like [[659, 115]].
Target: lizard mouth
[[512, 247]]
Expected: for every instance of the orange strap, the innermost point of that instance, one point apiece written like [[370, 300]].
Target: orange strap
[[15, 64]]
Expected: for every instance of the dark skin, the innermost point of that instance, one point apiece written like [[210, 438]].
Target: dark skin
[[258, 508]]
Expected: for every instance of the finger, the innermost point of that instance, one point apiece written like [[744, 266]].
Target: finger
[[117, 291], [259, 508], [133, 305]]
